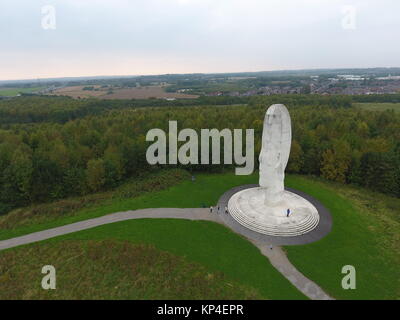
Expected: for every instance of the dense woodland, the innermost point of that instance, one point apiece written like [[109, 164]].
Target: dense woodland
[[30, 109], [56, 147]]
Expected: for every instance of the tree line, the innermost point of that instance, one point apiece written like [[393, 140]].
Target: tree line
[[44, 161], [63, 109]]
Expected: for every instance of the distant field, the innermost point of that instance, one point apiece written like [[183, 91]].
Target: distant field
[[121, 93], [12, 92], [378, 106]]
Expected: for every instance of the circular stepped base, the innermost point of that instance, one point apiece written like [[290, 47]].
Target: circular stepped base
[[248, 208]]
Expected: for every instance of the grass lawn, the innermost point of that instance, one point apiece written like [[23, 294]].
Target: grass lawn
[[208, 244], [373, 106], [365, 234], [206, 190], [112, 269]]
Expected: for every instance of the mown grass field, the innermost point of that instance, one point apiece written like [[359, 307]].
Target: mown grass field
[[146, 92], [12, 92], [378, 106], [112, 269], [365, 234]]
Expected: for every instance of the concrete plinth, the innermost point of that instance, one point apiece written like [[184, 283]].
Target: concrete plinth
[[250, 209]]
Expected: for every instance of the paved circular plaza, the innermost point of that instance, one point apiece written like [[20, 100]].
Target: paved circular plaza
[[248, 207], [248, 216]]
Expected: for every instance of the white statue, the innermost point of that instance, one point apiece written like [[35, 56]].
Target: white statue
[[274, 156], [266, 209]]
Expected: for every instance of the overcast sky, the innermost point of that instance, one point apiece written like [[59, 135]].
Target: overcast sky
[[130, 37]]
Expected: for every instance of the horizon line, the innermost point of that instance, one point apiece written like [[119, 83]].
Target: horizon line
[[190, 73]]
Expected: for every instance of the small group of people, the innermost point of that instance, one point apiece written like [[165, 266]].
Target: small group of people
[[218, 208], [288, 212]]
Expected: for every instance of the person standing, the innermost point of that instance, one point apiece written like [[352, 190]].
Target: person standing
[[288, 213]]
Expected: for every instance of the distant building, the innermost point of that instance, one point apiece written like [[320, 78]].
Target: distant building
[[390, 77]]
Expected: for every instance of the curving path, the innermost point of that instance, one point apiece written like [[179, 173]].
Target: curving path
[[190, 214], [276, 256]]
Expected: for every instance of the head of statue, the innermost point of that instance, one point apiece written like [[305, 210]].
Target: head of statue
[[274, 115], [275, 144]]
